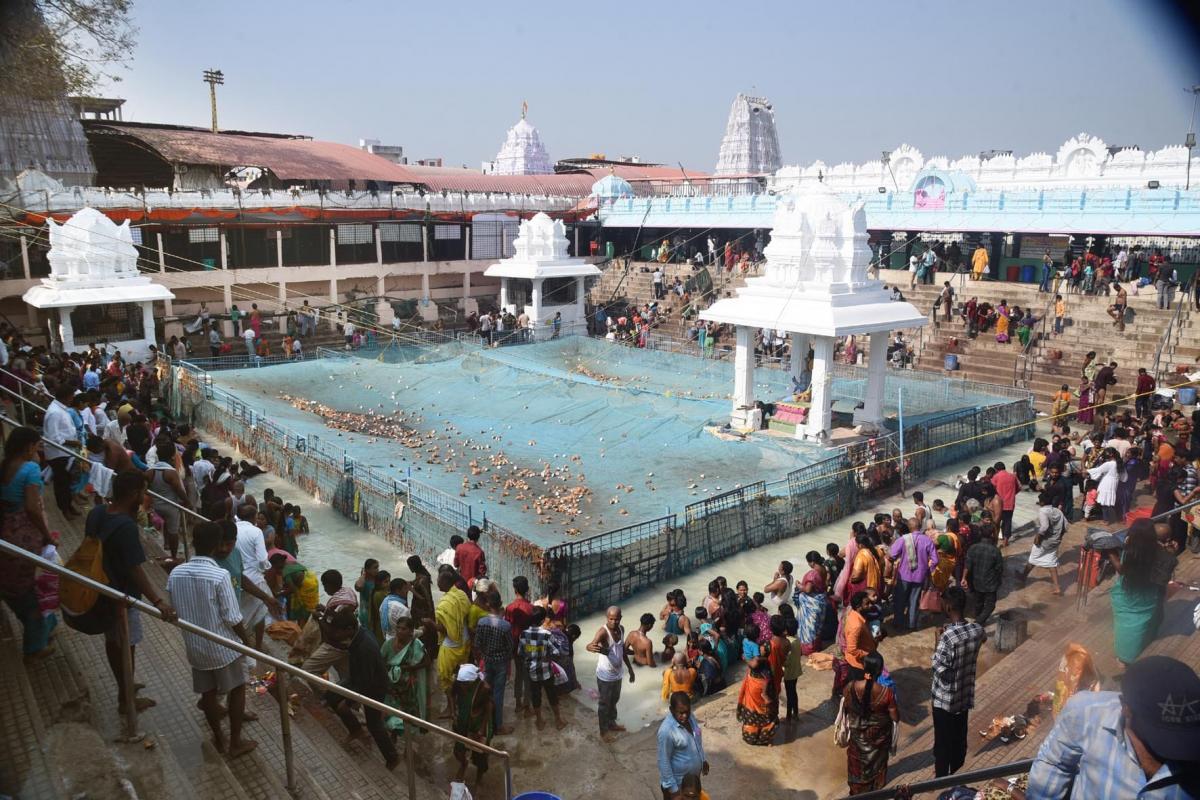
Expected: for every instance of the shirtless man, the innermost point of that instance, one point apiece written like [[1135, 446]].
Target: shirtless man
[[638, 642], [116, 457]]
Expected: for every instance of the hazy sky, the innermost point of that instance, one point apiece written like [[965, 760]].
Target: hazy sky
[[656, 79]]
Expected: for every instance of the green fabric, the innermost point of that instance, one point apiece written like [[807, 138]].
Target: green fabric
[[406, 684], [1136, 617]]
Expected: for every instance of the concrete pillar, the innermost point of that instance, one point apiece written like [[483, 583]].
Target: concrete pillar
[[820, 416], [279, 248], [31, 316], [332, 246], [745, 416], [227, 325], [282, 294], [378, 247], [380, 287], [504, 293], [148, 323], [66, 334], [576, 251], [872, 411], [798, 370], [169, 308], [25, 257], [162, 255], [580, 308], [333, 290], [224, 251], [535, 300], [467, 228], [424, 242]]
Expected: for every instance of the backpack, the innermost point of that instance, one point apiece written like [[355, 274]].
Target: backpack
[[85, 609]]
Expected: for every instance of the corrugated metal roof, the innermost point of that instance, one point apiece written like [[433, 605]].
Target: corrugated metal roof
[[289, 158]]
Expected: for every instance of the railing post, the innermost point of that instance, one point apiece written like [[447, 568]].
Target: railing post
[[508, 782], [410, 762], [285, 726], [129, 721]]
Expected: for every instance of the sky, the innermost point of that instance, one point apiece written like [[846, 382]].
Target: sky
[[656, 79]]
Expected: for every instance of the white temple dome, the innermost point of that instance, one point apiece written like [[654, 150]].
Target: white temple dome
[[523, 152], [611, 186]]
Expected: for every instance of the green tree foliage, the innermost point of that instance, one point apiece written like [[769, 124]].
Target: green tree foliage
[[52, 48]]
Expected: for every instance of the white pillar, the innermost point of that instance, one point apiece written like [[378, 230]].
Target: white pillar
[[224, 252], [799, 361], [468, 235], [227, 325], [536, 300], [504, 292], [282, 294], [148, 323], [333, 290], [380, 287], [576, 252], [66, 334], [872, 411], [745, 416], [279, 248], [820, 415], [424, 242], [332, 246], [378, 246], [580, 308], [25, 257], [162, 255]]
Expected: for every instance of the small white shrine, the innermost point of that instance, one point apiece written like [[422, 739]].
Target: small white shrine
[[95, 292], [815, 287], [541, 279]]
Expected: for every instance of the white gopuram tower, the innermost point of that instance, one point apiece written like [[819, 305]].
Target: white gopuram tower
[[95, 290], [815, 287], [751, 144], [542, 280], [523, 152]]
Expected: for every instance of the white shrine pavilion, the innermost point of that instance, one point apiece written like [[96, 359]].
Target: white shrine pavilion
[[541, 279], [816, 288], [95, 292]]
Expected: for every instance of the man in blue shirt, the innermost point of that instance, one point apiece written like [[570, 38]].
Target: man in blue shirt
[[680, 746], [1141, 743]]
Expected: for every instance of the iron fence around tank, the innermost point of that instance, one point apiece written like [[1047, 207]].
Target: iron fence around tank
[[601, 570]]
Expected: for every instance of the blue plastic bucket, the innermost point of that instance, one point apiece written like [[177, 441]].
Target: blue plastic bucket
[[1187, 396], [537, 796], [1027, 273], [950, 362]]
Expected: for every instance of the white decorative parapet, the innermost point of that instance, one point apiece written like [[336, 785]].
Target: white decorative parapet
[[1083, 161]]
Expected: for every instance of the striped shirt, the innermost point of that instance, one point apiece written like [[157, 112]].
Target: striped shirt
[[537, 648], [203, 595]]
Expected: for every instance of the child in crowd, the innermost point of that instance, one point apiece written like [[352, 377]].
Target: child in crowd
[[1091, 508], [750, 648], [834, 562]]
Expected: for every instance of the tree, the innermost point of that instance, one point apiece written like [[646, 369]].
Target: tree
[[53, 48]]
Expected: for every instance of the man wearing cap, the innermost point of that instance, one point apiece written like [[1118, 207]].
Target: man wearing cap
[[1143, 742]]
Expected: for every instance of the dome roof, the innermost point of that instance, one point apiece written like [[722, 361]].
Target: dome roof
[[611, 186]]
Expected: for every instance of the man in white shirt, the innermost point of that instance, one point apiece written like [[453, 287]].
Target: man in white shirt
[[348, 332], [658, 283], [214, 341], [204, 467], [203, 595], [114, 431], [59, 428], [248, 338], [253, 549], [298, 350]]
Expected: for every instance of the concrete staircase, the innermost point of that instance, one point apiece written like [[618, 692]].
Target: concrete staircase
[[60, 723], [1057, 358]]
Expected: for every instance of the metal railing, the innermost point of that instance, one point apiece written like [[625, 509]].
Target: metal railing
[[282, 668], [1169, 339], [946, 782], [1024, 363]]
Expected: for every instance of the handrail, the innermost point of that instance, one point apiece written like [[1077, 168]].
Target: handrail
[[1164, 341], [946, 781], [279, 665], [1023, 358]]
